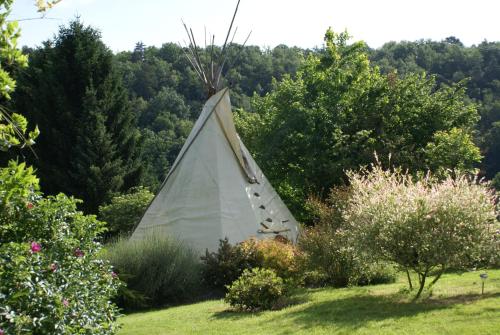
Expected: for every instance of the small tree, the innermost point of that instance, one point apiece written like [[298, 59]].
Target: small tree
[[419, 223], [125, 210]]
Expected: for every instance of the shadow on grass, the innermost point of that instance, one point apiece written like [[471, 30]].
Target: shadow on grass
[[461, 298], [230, 314], [353, 312]]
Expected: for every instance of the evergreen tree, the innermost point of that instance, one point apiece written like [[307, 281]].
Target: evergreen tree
[[89, 144], [138, 54]]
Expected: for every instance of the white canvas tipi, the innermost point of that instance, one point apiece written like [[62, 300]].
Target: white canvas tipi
[[215, 189]]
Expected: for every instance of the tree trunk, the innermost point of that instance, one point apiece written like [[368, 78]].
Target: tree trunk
[[421, 280], [409, 279], [437, 277]]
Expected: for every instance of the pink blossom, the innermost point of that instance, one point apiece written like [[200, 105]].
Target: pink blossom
[[35, 247], [29, 205], [79, 253], [65, 302], [113, 274], [2, 332]]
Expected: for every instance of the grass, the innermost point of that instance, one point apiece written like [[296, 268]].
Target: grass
[[455, 307]]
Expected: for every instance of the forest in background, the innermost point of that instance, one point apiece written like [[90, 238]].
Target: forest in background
[[110, 122]]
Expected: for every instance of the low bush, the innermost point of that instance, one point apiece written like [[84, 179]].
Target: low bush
[[274, 254], [157, 270], [223, 267], [51, 280], [327, 251], [124, 211], [257, 289], [329, 258]]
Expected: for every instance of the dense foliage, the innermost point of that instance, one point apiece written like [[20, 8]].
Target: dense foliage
[[421, 224], [50, 279], [256, 289], [157, 270], [339, 110], [452, 62]]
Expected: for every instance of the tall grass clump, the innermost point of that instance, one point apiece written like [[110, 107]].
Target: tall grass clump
[[158, 271]]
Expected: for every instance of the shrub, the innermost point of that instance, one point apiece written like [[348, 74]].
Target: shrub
[[329, 257], [274, 254], [256, 289], [158, 268], [223, 267], [328, 254], [51, 281], [419, 223], [495, 182], [124, 211]]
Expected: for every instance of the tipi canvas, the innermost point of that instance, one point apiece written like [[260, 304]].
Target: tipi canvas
[[215, 189]]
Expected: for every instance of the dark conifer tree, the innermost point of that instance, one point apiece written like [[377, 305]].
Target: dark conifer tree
[[88, 146]]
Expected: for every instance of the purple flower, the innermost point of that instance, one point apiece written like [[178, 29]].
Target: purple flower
[[2, 332], [65, 303], [113, 274], [35, 247], [79, 253]]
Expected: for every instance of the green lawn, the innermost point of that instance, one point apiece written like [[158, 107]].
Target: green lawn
[[456, 307]]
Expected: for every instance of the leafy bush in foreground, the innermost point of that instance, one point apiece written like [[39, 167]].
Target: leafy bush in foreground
[[50, 279], [256, 289], [158, 268], [422, 224]]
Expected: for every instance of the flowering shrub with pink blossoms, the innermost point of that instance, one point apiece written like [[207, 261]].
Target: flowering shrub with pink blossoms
[[423, 224], [51, 281]]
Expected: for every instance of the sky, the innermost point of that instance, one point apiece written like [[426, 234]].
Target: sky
[[292, 22]]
